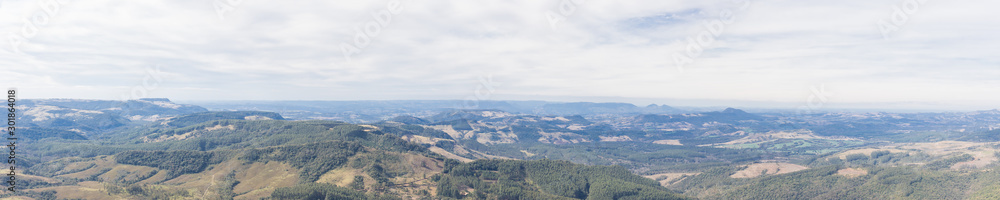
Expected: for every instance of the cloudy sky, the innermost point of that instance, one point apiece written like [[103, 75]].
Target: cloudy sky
[[927, 54]]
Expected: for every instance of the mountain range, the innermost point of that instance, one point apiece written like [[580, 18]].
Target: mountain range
[[157, 149]]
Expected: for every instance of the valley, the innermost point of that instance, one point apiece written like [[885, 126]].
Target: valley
[[157, 149]]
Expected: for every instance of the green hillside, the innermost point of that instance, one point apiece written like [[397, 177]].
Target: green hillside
[[545, 179], [231, 155]]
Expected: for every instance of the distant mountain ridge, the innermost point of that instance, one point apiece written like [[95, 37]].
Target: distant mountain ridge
[[587, 108], [729, 115], [154, 149], [374, 111], [53, 117]]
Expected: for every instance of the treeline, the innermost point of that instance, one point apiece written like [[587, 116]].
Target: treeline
[[142, 191], [37, 133], [244, 134], [637, 155], [885, 158], [196, 118], [409, 129], [323, 191], [982, 136], [177, 162], [880, 178], [879, 183], [509, 179], [459, 124], [313, 159]]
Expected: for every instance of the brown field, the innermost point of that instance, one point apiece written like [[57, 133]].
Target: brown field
[[852, 172], [22, 176], [419, 169], [668, 142], [527, 154], [667, 179], [759, 169], [867, 152], [96, 167], [445, 153], [127, 172], [982, 159], [422, 139], [450, 131], [983, 152], [946, 147], [260, 179], [774, 135], [481, 155], [158, 177], [83, 190], [256, 180], [343, 176]]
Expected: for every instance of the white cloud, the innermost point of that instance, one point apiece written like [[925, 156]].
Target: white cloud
[[773, 51]]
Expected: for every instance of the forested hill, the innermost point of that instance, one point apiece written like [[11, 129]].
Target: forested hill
[[374, 111], [88, 117], [545, 179], [259, 155], [71, 152]]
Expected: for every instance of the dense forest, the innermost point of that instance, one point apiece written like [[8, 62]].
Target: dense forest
[[545, 179]]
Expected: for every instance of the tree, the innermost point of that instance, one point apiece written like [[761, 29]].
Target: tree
[[358, 183]]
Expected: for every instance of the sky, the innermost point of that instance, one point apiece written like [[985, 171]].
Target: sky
[[920, 54]]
